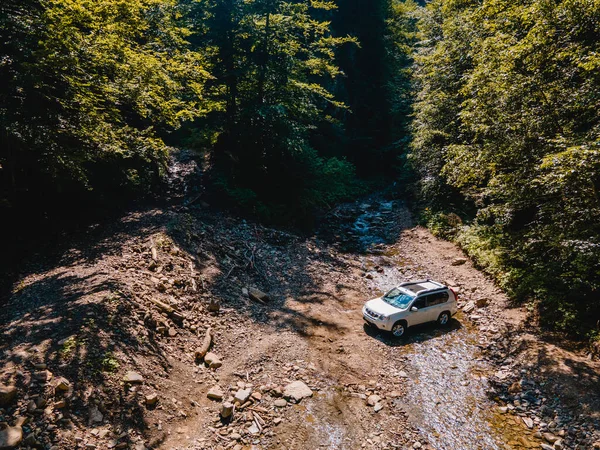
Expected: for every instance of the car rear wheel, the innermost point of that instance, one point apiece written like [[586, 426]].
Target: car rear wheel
[[444, 319], [399, 329]]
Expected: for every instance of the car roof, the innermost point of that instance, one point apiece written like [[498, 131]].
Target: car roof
[[422, 286]]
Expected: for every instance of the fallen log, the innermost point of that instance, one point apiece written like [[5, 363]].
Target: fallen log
[[205, 346]]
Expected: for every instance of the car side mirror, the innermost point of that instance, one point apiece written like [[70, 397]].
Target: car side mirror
[[414, 309]]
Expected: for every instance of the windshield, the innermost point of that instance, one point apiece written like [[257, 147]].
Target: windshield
[[397, 298]]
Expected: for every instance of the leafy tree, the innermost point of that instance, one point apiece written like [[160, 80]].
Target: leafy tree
[[89, 87]]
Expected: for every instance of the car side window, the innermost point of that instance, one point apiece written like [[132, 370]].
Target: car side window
[[437, 299], [420, 303]]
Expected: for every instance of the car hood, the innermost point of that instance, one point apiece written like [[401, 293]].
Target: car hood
[[381, 307]]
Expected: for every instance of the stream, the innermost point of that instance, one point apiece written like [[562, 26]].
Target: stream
[[446, 373]]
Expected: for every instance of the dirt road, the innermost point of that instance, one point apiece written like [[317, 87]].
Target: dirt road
[[90, 315]]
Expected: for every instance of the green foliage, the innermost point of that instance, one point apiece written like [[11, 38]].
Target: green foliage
[[506, 119], [87, 87]]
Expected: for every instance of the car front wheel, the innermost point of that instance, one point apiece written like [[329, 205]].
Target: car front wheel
[[444, 318], [399, 329]]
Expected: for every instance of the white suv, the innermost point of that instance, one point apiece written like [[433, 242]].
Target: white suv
[[410, 304]]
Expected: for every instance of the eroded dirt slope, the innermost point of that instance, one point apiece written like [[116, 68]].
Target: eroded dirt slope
[[136, 298]]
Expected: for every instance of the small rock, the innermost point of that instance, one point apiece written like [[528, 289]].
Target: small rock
[[277, 420], [215, 393], [528, 422], [253, 429], [469, 307], [280, 403], [95, 415], [214, 305], [482, 302], [11, 436], [62, 384], [550, 437], [7, 395], [43, 375], [212, 360], [258, 295], [297, 390], [151, 399], [226, 410], [546, 447], [378, 407], [372, 400], [417, 445], [133, 377], [459, 261], [172, 332], [242, 395]]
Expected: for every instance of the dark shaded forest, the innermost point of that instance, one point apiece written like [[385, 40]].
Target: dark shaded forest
[[484, 115]]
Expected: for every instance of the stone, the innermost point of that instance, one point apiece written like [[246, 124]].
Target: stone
[[470, 306], [226, 410], [8, 394], [212, 360], [297, 390], [11, 437], [280, 403], [550, 437], [258, 295], [62, 384], [215, 393], [372, 400], [378, 407], [277, 420], [459, 261], [253, 429], [214, 305], [417, 445], [172, 332], [243, 395], [528, 422], [151, 399], [133, 377], [546, 447], [482, 302], [95, 416], [43, 376]]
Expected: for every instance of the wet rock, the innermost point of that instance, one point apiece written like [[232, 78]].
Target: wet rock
[[215, 393], [133, 377], [280, 403], [8, 394], [10, 437], [226, 410], [469, 307], [297, 390], [212, 360], [459, 261]]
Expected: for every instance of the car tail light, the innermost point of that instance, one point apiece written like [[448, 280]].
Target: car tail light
[[455, 294]]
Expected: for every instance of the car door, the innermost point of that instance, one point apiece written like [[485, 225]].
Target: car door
[[436, 304], [420, 315]]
